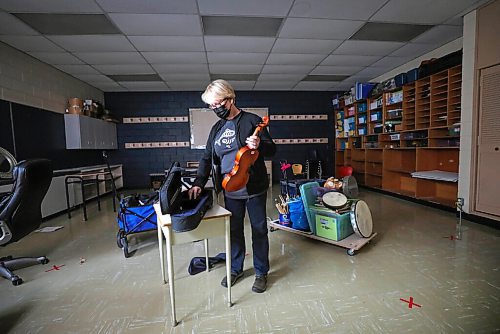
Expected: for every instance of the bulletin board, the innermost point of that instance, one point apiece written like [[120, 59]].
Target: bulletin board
[[201, 121]]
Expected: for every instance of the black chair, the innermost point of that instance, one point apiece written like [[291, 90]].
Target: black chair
[[20, 212]]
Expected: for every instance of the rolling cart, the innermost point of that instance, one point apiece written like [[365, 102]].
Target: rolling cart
[[338, 226], [352, 243]]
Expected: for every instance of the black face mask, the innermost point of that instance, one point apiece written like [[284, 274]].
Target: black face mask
[[222, 112]]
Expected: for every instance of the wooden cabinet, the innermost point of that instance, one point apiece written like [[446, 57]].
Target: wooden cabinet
[[83, 132], [410, 129]]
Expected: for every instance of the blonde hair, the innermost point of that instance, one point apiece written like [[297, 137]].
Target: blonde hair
[[218, 90]]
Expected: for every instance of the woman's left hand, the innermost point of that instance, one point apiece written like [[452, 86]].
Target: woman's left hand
[[253, 142]]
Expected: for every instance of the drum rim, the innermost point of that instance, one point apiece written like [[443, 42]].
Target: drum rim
[[354, 221]]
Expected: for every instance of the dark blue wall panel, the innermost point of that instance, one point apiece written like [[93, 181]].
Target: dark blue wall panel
[[38, 133], [138, 163]]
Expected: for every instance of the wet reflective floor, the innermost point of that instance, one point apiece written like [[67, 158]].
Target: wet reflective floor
[[410, 279]]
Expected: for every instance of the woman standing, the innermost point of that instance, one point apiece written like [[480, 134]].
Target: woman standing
[[233, 131]]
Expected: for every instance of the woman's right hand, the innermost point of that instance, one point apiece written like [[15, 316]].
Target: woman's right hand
[[193, 192]]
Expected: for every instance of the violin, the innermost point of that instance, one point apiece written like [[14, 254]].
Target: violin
[[238, 177]]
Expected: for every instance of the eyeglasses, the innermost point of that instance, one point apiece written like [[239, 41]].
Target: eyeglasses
[[217, 105]]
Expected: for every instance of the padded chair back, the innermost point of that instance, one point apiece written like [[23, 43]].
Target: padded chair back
[[21, 210]]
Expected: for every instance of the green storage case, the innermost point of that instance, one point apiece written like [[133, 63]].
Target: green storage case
[[331, 225]]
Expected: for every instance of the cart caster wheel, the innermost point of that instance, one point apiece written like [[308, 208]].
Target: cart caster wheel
[[125, 249], [351, 252], [16, 280], [44, 261], [119, 236]]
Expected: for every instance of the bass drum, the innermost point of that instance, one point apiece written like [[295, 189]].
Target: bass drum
[[361, 219], [334, 200], [350, 186]]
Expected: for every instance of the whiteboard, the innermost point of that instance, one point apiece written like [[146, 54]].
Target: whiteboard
[[201, 121]]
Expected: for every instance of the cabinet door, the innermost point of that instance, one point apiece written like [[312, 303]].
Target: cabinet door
[[111, 135], [87, 133], [488, 181]]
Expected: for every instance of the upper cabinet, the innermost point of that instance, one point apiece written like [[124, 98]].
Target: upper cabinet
[[83, 132]]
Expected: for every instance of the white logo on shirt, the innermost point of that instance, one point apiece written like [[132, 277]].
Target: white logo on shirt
[[227, 138]]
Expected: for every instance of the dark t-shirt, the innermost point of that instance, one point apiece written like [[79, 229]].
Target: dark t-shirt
[[226, 148]]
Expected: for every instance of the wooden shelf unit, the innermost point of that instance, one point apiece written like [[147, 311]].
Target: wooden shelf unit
[[423, 138], [437, 158], [409, 106]]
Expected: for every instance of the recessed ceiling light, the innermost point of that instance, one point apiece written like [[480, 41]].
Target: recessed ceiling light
[[136, 77], [397, 32], [68, 24], [325, 77], [234, 77], [241, 25]]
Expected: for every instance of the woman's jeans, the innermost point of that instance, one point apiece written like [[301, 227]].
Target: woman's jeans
[[256, 207]]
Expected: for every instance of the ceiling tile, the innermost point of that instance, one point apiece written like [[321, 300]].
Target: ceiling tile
[[242, 85], [69, 24], [94, 78], [367, 48], [234, 69], [319, 28], [414, 49], [239, 43], [350, 60], [52, 6], [278, 8], [93, 43], [423, 11], [167, 43], [314, 85], [30, 43], [180, 68], [274, 85], [77, 69], [188, 85], [149, 6], [125, 69], [294, 59], [280, 77], [175, 57], [346, 70], [373, 71], [158, 24], [391, 61], [56, 58], [11, 25], [109, 87], [314, 46], [241, 26], [186, 77], [110, 58], [236, 58], [144, 85], [336, 9], [440, 34], [284, 69]]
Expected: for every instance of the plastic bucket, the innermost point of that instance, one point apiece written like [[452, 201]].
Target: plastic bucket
[[298, 215]]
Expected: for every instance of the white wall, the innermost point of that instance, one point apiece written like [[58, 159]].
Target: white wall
[[468, 68], [26, 80], [437, 53]]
